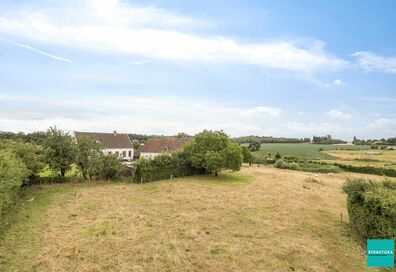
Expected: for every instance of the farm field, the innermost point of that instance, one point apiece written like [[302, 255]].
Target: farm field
[[308, 151], [386, 159], [259, 219]]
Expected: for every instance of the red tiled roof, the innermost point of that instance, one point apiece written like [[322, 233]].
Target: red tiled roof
[[108, 140], [163, 145]]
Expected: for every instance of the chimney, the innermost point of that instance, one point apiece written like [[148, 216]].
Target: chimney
[[115, 133]]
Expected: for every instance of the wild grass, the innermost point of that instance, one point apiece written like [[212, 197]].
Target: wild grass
[[264, 221]]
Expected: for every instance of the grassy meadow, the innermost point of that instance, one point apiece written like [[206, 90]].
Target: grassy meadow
[[307, 151], [259, 219]]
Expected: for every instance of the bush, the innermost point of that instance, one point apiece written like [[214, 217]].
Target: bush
[[164, 167], [372, 208], [284, 165], [292, 159], [307, 167], [110, 167], [13, 172], [389, 172]]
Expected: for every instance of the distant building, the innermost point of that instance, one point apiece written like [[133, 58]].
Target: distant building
[[112, 143], [155, 147]]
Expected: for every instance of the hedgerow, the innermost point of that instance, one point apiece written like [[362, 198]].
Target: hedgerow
[[164, 166], [13, 172], [307, 167], [372, 208]]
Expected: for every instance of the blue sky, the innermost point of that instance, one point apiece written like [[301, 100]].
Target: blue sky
[[281, 68]]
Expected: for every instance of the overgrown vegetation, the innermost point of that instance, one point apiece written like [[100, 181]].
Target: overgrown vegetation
[[208, 152], [165, 166], [307, 166], [12, 174], [372, 208]]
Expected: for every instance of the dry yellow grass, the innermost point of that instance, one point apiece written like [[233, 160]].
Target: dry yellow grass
[[280, 221]]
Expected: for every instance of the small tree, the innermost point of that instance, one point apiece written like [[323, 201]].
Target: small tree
[[278, 156], [213, 151], [111, 166], [87, 153], [59, 150], [247, 155], [95, 165], [254, 145], [135, 143], [233, 157], [29, 154]]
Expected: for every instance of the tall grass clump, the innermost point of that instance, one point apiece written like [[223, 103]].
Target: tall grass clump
[[372, 208]]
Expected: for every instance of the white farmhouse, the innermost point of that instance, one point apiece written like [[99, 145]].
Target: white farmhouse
[[112, 143]]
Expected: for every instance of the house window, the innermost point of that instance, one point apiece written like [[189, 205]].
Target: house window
[[117, 153], [109, 152], [129, 153], [123, 154]]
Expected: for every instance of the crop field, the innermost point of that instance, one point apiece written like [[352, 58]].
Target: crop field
[[259, 219], [386, 159], [308, 151]]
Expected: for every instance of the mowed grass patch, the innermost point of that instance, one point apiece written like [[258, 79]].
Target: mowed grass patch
[[268, 223], [21, 227]]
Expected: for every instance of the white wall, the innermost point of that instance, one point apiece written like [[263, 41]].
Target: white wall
[[120, 150], [148, 155]]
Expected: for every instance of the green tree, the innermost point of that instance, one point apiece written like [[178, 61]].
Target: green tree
[[213, 151], [59, 150], [233, 156], [88, 150], [95, 165], [12, 173], [254, 145], [278, 156], [111, 166], [247, 155], [135, 143], [29, 154]]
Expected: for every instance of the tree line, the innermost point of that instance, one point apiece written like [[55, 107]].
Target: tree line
[[383, 141]]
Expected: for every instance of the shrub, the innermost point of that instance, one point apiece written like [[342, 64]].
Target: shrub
[[292, 159], [372, 208], [280, 164], [12, 174], [110, 167], [164, 167], [294, 166], [307, 167], [389, 172]]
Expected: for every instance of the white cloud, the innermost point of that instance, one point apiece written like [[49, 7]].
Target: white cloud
[[339, 114], [300, 113], [372, 62], [338, 82], [128, 114], [262, 110], [299, 128], [44, 53], [149, 32]]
